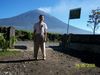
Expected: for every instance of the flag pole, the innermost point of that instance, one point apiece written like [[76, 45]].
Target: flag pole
[[73, 14], [68, 26]]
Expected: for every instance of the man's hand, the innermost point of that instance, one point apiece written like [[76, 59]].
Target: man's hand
[[44, 39]]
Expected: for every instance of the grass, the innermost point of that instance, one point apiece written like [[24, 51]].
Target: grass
[[9, 53]]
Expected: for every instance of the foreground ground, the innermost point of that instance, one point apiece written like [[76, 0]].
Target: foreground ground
[[57, 63]]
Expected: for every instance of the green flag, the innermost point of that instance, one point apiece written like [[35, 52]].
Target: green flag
[[75, 13]]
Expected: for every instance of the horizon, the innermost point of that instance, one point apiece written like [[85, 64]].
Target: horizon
[[57, 8]]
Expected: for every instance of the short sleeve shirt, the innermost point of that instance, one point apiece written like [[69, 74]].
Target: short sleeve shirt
[[40, 28]]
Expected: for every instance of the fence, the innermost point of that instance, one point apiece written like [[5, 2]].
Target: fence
[[81, 42]]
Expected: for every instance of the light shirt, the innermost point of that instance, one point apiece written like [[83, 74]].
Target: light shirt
[[40, 28]]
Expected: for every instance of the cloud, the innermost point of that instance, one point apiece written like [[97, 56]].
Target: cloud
[[63, 6], [58, 8], [45, 9]]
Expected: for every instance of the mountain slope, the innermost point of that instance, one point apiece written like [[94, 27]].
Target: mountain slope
[[27, 20]]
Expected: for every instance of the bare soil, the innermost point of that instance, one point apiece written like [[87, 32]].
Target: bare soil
[[58, 62]]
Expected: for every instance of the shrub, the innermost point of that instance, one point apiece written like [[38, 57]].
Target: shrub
[[4, 44], [27, 35], [13, 40], [54, 37], [23, 35]]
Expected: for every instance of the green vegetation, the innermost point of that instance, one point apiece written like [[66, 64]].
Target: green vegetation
[[28, 35], [9, 53], [12, 40], [54, 37], [23, 35], [5, 44]]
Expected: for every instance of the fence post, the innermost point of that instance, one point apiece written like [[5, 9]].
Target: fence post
[[11, 33]]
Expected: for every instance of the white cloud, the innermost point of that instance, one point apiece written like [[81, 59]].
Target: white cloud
[[58, 8], [45, 9], [61, 10], [65, 5]]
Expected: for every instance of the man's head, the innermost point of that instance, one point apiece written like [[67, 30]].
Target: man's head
[[41, 18]]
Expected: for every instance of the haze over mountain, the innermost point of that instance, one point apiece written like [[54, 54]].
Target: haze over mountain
[[26, 21]]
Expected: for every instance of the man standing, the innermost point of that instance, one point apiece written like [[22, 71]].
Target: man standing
[[40, 37]]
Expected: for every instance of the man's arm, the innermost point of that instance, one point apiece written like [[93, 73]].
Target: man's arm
[[45, 33], [45, 36], [34, 31]]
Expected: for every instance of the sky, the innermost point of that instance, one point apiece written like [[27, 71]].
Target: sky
[[58, 8]]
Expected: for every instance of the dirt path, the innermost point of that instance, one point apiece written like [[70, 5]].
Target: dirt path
[[57, 63]]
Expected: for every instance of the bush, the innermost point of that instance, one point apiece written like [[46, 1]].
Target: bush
[[13, 40], [4, 44], [54, 37], [23, 35], [27, 35]]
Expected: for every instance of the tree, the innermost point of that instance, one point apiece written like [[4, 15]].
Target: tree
[[94, 19]]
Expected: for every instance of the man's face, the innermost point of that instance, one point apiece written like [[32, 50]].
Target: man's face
[[42, 18]]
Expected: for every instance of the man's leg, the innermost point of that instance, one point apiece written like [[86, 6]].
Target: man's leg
[[36, 48], [43, 50]]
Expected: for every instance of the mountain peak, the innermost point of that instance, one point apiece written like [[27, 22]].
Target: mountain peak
[[37, 11]]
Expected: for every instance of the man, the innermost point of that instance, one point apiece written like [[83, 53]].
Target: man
[[40, 35]]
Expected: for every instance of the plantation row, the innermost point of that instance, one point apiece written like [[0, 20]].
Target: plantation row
[[27, 35]]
